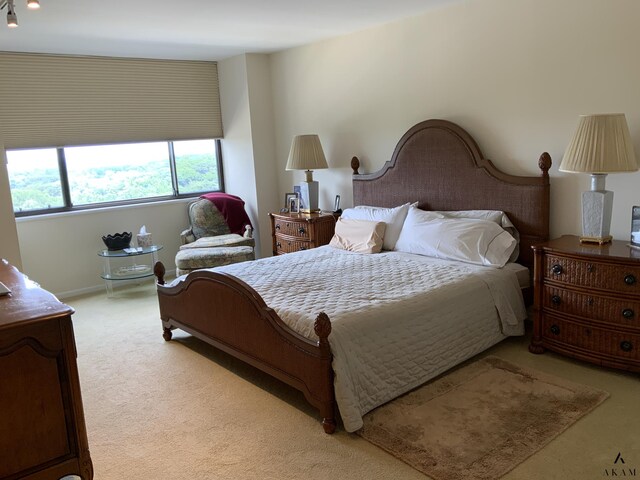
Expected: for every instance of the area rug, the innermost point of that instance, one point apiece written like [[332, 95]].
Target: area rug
[[480, 421]]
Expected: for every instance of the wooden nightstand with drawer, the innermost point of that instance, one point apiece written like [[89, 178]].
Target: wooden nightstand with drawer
[[293, 232], [587, 301]]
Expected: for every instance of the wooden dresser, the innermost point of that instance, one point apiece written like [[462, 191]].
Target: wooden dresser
[[42, 430], [293, 232], [587, 301]]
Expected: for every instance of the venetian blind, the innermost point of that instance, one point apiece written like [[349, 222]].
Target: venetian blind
[[55, 100]]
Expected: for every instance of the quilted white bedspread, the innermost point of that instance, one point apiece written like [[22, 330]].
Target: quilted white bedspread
[[398, 319]]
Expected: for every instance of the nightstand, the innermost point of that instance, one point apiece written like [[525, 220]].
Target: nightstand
[[587, 301], [293, 232]]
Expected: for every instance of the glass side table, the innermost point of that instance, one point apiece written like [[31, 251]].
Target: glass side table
[[119, 265]]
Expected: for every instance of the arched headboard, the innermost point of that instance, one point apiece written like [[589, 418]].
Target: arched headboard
[[439, 165]]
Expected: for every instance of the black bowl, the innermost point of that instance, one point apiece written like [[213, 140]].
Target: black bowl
[[117, 241]]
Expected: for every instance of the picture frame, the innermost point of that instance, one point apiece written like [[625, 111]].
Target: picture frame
[[298, 191], [287, 201], [635, 226], [294, 205], [336, 204]]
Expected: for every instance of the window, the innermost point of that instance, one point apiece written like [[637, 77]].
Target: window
[[34, 178], [193, 165], [68, 178]]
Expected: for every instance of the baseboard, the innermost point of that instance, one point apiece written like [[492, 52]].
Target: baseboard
[[80, 291], [169, 275]]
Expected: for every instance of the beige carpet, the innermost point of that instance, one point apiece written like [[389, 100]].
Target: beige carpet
[[184, 411], [480, 421]]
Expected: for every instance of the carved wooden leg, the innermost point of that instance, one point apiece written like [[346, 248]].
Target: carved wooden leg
[[322, 327], [536, 348], [87, 467], [159, 271], [329, 425], [328, 413], [167, 334]]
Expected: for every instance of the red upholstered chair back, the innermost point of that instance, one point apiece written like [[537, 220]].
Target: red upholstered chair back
[[232, 209]]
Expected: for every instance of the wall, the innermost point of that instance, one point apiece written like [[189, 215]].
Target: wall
[[248, 149], [237, 149], [515, 74], [60, 251], [264, 150], [9, 246]]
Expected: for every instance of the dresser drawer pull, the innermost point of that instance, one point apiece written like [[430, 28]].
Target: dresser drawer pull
[[589, 267], [626, 346], [301, 231], [556, 300], [590, 301], [628, 313], [555, 329], [278, 245], [629, 279], [303, 248], [277, 226], [556, 269]]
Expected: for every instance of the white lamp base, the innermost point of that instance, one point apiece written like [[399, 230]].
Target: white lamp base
[[309, 196], [597, 206]]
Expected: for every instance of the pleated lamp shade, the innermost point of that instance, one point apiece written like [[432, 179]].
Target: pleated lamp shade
[[601, 144], [306, 153]]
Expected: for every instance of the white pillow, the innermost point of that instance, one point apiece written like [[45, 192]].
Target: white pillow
[[393, 217], [497, 216], [361, 236], [370, 207], [481, 242]]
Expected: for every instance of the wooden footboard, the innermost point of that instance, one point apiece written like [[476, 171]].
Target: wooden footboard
[[225, 312]]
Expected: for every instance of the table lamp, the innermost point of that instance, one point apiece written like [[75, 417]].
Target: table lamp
[[600, 145], [306, 154]]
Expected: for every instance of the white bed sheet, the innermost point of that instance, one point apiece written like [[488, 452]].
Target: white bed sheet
[[398, 319]]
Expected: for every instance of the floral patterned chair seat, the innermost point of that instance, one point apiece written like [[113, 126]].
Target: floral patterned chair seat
[[208, 242]]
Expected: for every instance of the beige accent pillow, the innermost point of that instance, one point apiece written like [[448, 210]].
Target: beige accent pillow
[[393, 217], [360, 236]]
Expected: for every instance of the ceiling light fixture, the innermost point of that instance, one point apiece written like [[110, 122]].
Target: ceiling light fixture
[[12, 18]]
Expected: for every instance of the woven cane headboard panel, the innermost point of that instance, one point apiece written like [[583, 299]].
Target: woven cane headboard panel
[[439, 165]]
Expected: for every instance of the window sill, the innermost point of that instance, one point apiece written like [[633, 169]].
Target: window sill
[[99, 210]]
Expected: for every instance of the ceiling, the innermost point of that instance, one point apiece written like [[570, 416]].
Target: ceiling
[[191, 29]]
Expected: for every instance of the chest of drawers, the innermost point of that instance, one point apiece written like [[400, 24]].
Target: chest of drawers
[[587, 301], [42, 429], [293, 232]]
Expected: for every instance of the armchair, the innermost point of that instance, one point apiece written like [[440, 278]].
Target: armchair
[[209, 241]]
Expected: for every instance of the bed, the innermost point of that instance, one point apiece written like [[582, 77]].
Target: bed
[[382, 344]]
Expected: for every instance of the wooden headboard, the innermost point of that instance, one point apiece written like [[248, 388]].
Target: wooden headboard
[[439, 165]]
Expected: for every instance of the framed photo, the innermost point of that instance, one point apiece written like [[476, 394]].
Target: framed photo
[[294, 205], [635, 226], [298, 191], [287, 201], [336, 205]]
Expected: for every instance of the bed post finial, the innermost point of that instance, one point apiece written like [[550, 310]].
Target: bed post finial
[[545, 164], [322, 327], [159, 271], [355, 165]]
